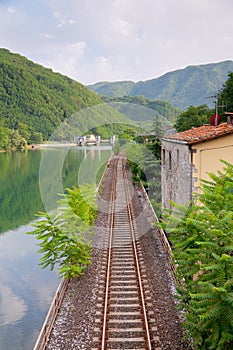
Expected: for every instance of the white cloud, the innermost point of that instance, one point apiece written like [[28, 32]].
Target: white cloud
[[122, 39], [13, 308], [66, 58], [47, 36], [11, 9]]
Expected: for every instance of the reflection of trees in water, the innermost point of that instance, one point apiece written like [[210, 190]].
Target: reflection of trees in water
[[19, 188], [20, 196]]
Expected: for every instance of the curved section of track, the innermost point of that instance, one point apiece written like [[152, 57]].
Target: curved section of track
[[123, 320]]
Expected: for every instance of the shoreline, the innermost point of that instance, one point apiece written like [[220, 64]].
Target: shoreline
[[57, 144], [33, 146]]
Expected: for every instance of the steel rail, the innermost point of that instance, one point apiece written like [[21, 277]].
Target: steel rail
[[139, 278], [134, 252], [111, 225]]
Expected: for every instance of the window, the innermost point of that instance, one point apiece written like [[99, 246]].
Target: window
[[177, 156], [192, 152], [163, 156], [170, 161]]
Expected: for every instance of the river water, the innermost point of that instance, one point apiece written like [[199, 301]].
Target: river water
[[29, 182]]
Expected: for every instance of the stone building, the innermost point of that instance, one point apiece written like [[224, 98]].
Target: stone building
[[191, 155]]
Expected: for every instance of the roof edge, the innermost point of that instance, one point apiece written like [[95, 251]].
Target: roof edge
[[175, 141]]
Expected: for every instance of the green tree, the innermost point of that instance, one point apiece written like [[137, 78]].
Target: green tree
[[146, 168], [154, 144], [116, 148], [23, 130], [16, 140], [203, 241], [63, 235], [126, 135], [4, 140], [225, 97], [193, 117], [157, 129], [36, 137]]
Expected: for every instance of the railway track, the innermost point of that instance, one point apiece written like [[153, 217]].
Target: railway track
[[125, 317]]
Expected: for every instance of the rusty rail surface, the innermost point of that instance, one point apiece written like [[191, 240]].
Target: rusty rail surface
[[112, 212], [46, 329], [111, 224], [129, 208]]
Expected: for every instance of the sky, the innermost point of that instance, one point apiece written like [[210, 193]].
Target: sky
[[114, 40]]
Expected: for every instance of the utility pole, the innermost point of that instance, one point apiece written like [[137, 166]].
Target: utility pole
[[215, 119], [216, 102]]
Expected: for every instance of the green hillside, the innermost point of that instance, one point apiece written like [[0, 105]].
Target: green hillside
[[182, 88], [34, 101], [141, 109], [115, 89]]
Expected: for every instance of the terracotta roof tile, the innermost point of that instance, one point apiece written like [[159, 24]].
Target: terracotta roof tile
[[203, 133]]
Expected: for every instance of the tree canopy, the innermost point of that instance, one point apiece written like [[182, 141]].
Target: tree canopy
[[193, 117]]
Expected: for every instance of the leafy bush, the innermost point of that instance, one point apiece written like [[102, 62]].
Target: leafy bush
[[202, 235], [61, 233], [146, 168]]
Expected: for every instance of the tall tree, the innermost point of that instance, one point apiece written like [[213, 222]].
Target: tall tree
[[154, 144], [157, 128]]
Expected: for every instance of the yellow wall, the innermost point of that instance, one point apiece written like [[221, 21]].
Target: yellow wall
[[208, 155]]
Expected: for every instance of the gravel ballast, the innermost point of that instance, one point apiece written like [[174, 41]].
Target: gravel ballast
[[74, 325]]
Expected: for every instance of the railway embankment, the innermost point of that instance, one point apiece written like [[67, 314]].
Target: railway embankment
[[75, 324]]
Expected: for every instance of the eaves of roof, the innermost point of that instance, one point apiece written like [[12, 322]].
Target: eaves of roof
[[201, 134]]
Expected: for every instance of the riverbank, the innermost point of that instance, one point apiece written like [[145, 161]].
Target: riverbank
[[33, 146], [74, 145], [103, 146]]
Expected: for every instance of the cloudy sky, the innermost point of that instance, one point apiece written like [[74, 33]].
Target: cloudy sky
[[109, 40]]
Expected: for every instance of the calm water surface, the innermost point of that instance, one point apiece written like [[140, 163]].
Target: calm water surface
[[29, 182]]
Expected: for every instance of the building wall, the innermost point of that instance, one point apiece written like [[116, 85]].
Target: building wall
[[176, 173], [208, 154], [184, 166]]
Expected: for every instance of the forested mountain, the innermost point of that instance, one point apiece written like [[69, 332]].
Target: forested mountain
[[182, 88], [34, 101], [141, 109], [114, 89]]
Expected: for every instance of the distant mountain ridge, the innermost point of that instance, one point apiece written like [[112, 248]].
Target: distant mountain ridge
[[182, 88]]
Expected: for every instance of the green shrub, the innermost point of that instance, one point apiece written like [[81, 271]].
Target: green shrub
[[202, 236], [63, 242]]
